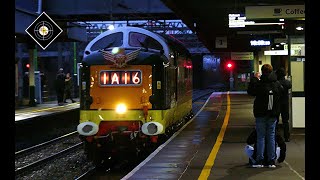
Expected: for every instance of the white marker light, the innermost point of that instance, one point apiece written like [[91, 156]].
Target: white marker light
[[115, 50]]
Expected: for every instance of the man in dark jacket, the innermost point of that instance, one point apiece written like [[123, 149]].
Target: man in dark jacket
[[266, 109], [59, 86], [284, 103]]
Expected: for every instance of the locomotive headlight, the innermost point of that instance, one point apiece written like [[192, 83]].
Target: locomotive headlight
[[121, 108], [87, 128]]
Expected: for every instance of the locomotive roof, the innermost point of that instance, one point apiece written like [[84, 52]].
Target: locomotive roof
[[175, 43], [119, 37], [143, 57]]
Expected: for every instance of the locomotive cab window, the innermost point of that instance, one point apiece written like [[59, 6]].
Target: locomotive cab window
[[112, 40], [142, 40]]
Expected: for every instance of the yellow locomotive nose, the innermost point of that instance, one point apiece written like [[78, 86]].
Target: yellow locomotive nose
[[121, 109]]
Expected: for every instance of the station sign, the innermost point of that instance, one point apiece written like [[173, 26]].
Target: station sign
[[276, 53], [281, 40], [238, 20], [221, 42], [296, 49], [242, 56], [271, 12], [294, 40], [260, 43]]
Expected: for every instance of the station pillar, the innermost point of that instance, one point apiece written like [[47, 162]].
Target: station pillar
[[32, 49]]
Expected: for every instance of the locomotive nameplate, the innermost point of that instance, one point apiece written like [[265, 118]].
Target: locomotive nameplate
[[120, 78]]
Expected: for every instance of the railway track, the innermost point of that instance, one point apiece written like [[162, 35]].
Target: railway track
[[44, 155], [114, 173], [35, 156], [86, 174]]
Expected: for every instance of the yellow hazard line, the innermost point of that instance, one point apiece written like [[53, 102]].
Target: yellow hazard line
[[210, 161]]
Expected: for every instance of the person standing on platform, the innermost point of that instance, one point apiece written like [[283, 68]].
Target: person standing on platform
[[266, 109], [60, 85], [68, 89], [284, 103]]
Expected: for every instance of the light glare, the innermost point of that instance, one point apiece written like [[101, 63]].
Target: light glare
[[121, 109]]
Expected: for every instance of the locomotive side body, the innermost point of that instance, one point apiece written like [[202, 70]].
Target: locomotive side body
[[136, 89]]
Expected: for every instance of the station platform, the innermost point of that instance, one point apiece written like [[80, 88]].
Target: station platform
[[51, 107], [211, 146], [44, 109]]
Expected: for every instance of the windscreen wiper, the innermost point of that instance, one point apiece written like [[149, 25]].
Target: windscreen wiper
[[109, 45], [143, 45]]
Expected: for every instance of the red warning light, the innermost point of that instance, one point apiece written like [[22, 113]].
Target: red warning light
[[229, 65], [28, 65]]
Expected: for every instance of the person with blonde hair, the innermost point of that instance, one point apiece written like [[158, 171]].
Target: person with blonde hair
[[257, 75]]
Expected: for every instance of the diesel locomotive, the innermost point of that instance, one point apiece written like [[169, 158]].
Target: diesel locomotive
[[135, 91]]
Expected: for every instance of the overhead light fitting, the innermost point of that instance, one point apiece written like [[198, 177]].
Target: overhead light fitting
[[111, 27], [299, 28]]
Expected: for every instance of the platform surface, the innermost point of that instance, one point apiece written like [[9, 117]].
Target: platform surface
[[211, 146]]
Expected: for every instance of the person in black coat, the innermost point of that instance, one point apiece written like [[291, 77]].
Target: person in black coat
[[266, 109], [284, 103], [251, 149], [68, 89], [60, 85]]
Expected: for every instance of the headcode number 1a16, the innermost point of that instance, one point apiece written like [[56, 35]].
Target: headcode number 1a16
[[120, 78]]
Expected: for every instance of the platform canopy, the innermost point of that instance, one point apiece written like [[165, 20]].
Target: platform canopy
[[208, 19]]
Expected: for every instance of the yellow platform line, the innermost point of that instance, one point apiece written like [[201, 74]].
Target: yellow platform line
[[210, 161]]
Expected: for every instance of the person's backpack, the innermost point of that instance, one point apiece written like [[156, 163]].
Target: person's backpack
[[274, 90], [267, 98]]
